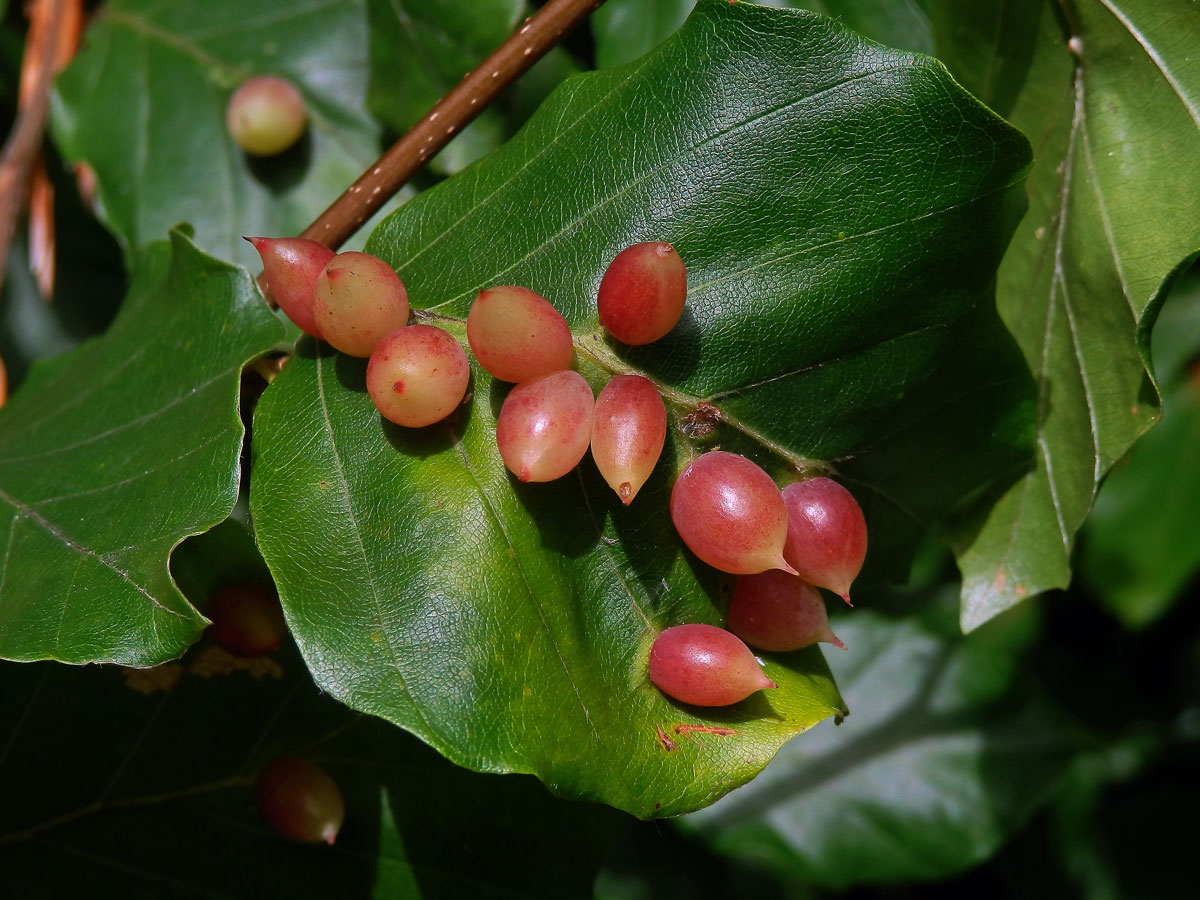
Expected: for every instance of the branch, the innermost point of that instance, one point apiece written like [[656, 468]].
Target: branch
[[458, 108], [25, 140]]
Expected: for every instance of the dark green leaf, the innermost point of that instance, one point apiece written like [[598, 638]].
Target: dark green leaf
[[144, 105], [839, 207], [625, 29], [1110, 96], [945, 755], [116, 781], [113, 453]]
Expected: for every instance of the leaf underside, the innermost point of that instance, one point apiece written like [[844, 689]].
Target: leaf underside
[[1109, 93], [841, 209]]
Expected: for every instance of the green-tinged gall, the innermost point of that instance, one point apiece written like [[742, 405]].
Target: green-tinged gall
[[417, 375], [266, 115]]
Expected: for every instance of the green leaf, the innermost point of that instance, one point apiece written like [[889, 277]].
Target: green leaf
[[625, 29], [509, 625], [113, 453], [116, 781], [1139, 547], [946, 754], [1110, 96], [144, 105]]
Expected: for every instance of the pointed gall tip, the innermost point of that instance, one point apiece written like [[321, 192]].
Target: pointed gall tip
[[330, 836], [523, 475], [783, 564], [625, 492], [768, 684], [256, 242], [831, 638], [845, 595]]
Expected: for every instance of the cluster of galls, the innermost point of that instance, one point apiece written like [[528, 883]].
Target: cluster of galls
[[782, 545], [418, 374], [726, 509]]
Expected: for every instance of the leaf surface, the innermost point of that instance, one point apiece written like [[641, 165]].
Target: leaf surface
[[509, 625], [144, 105], [113, 453], [1109, 93]]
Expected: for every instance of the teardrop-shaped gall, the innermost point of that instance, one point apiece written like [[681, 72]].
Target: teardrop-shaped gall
[[827, 534], [779, 612], [291, 267], [359, 300], [246, 619], [545, 425], [629, 428], [518, 335], [705, 666], [730, 514], [417, 375], [266, 115], [300, 800], [642, 293]]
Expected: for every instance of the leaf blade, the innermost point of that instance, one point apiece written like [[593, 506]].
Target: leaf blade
[[87, 535]]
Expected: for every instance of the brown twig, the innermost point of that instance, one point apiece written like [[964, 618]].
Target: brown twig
[[459, 107], [48, 19], [42, 243]]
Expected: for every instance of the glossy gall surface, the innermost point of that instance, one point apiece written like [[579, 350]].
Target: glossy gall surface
[[705, 666], [417, 375], [629, 428], [730, 514], [642, 293], [291, 267], [545, 425], [518, 335], [827, 534]]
